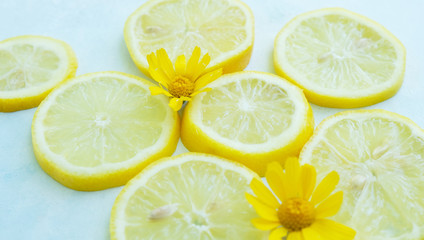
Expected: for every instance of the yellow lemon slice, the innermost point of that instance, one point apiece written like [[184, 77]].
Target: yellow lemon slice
[[341, 59], [189, 196], [30, 67], [379, 156], [99, 130], [250, 117], [222, 28]]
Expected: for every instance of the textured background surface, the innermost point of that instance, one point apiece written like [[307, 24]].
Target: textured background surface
[[34, 206]]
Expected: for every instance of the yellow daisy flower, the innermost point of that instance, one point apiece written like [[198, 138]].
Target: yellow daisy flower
[[300, 213], [183, 83]]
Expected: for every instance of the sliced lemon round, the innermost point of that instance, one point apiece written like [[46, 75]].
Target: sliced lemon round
[[250, 117], [340, 58], [189, 196], [222, 28], [379, 156], [99, 130], [30, 67]]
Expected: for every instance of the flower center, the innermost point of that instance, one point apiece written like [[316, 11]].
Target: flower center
[[295, 214], [181, 87]]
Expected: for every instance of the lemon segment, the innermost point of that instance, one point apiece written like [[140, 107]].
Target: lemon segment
[[379, 156], [222, 28], [340, 58], [100, 129], [250, 117], [189, 196], [30, 67]]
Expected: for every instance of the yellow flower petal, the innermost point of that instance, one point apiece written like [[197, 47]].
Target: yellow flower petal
[[262, 210], [326, 187], [295, 236], [331, 230], [152, 60], [264, 194], [278, 234], [180, 65], [165, 63], [201, 66], [159, 77], [193, 62], [308, 180], [276, 180], [176, 103], [293, 177], [158, 90], [207, 78], [330, 206], [310, 234], [186, 98], [155, 70], [265, 225], [200, 91]]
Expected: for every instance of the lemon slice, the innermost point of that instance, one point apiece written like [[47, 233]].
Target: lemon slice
[[340, 58], [222, 28], [250, 117], [30, 67], [189, 196], [99, 130], [379, 156]]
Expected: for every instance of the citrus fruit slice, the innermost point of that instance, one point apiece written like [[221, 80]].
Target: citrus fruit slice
[[189, 196], [222, 28], [99, 130], [30, 67], [250, 117], [379, 156], [340, 58]]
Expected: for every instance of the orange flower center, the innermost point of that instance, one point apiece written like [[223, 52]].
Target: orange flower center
[[295, 214], [181, 87]]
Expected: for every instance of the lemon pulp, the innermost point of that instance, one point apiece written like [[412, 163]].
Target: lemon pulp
[[99, 129], [340, 58], [250, 117], [221, 28], [380, 158], [30, 66], [190, 196]]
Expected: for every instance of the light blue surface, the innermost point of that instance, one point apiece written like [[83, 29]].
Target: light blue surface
[[34, 206]]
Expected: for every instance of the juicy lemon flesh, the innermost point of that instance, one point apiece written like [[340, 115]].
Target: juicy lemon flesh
[[336, 52], [26, 65], [178, 26], [103, 121], [381, 164], [249, 111], [208, 201]]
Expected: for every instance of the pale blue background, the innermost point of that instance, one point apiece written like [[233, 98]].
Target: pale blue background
[[34, 206]]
